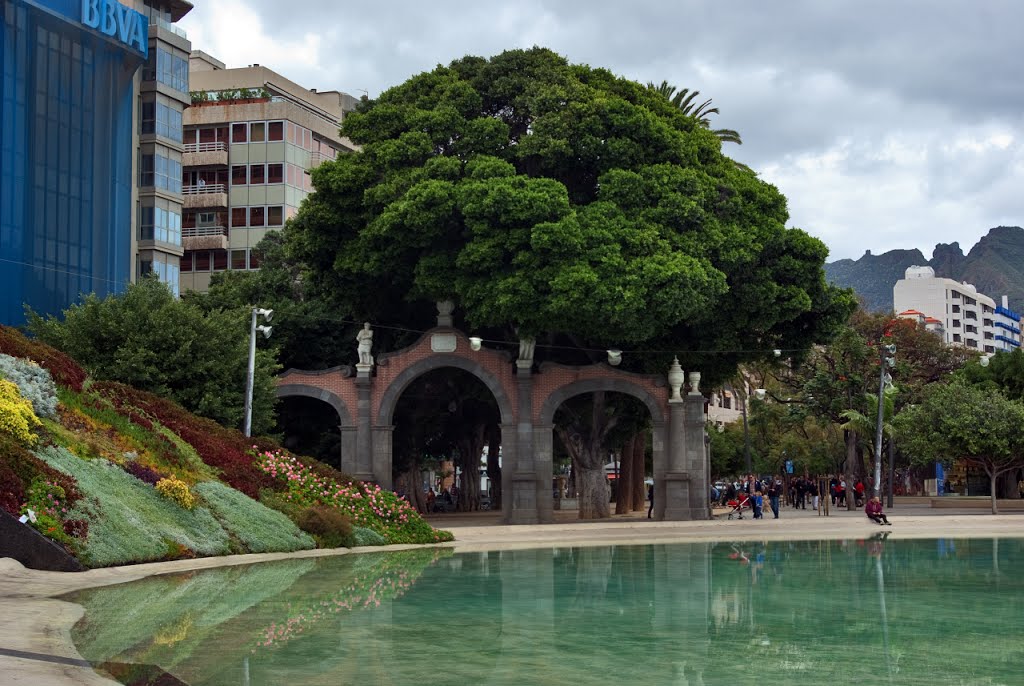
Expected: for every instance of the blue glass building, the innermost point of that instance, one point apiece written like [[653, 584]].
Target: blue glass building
[[67, 70]]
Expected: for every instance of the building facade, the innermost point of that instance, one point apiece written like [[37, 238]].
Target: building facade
[[74, 75], [250, 138], [957, 311]]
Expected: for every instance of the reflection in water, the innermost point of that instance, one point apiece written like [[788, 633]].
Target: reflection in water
[[868, 610]]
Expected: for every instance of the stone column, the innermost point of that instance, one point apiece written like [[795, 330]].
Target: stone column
[[348, 449], [696, 456], [672, 494], [524, 505], [364, 439], [382, 455], [543, 437]]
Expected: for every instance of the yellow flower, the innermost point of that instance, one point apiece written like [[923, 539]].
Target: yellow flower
[[177, 491], [16, 416]]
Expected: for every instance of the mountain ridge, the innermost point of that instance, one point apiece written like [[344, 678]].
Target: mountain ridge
[[995, 265]]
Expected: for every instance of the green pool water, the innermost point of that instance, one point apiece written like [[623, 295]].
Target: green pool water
[[803, 612]]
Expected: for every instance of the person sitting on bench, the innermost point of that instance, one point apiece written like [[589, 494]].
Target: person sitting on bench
[[874, 512]]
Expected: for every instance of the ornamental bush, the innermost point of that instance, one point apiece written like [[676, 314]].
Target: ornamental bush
[[64, 370], [19, 468], [257, 528], [367, 505], [366, 537], [143, 473], [17, 419], [128, 521], [327, 524], [34, 382], [177, 491]]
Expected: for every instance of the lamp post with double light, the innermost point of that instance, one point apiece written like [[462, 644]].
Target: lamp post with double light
[[251, 371], [886, 360]]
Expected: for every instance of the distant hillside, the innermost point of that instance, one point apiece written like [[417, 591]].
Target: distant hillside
[[995, 265]]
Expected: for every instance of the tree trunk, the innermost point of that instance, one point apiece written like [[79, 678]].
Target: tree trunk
[[992, 489], [853, 456], [640, 471], [594, 492], [410, 482], [470, 448], [624, 489], [493, 465]]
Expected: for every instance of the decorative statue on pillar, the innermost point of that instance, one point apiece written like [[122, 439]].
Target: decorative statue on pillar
[[676, 377], [525, 360], [694, 383], [365, 340]]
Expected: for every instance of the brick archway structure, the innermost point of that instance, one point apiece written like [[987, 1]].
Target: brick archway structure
[[527, 402]]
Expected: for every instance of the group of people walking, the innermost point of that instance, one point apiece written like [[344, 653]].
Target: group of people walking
[[802, 491]]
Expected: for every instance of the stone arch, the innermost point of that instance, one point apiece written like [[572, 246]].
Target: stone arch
[[562, 393], [332, 399], [543, 437], [389, 400]]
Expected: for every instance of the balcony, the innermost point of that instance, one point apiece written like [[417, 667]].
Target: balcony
[[205, 238], [201, 196], [205, 155], [317, 158]]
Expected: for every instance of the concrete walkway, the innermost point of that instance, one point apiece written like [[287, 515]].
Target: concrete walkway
[[35, 645]]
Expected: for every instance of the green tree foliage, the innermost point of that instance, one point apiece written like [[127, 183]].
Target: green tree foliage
[[568, 204], [149, 339], [959, 421], [686, 101]]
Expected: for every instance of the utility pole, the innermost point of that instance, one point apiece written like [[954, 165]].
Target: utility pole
[[885, 359], [251, 372]]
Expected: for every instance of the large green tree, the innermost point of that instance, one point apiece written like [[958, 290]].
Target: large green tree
[[559, 201], [686, 101], [960, 421], [149, 339]]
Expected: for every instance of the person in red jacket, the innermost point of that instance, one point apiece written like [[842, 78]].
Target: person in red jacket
[[874, 512]]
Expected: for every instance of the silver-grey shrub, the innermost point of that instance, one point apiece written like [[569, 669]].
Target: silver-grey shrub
[[128, 520], [255, 526], [34, 383]]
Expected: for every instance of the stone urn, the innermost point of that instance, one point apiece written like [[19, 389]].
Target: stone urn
[[676, 377]]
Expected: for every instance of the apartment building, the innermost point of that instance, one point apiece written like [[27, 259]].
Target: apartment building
[[957, 311], [91, 94], [250, 138]]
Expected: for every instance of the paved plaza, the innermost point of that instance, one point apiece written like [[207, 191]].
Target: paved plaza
[[35, 645]]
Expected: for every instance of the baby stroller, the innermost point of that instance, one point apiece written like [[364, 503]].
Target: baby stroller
[[741, 503]]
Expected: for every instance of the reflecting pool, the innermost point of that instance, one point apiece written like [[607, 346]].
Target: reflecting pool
[[803, 612]]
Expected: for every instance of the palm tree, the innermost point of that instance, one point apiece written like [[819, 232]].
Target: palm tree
[[686, 101]]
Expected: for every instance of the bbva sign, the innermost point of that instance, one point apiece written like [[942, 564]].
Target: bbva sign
[[117, 21]]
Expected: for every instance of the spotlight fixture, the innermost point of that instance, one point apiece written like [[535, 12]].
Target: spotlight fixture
[[475, 342], [614, 357], [760, 393]]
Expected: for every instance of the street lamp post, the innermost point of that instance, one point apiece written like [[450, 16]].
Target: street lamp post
[[886, 359], [251, 372]]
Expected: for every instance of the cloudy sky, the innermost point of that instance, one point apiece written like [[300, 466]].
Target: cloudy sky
[[887, 124]]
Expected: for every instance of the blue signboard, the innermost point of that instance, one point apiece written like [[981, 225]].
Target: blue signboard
[[940, 479], [113, 19]]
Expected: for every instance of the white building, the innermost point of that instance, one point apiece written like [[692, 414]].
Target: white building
[[957, 311]]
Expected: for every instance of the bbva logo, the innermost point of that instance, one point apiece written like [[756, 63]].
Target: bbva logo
[[116, 20]]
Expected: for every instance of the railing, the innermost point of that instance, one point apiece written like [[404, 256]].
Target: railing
[[217, 146], [201, 189], [168, 26], [317, 158], [200, 231]]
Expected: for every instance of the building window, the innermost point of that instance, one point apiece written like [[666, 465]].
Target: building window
[[970, 314], [203, 261], [275, 215], [275, 131], [161, 172], [186, 262], [971, 343], [168, 69], [257, 216], [220, 260], [275, 173], [239, 173], [238, 216], [990, 348], [238, 259], [956, 338], [159, 224], [257, 132], [257, 174], [956, 309], [239, 133], [161, 119]]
